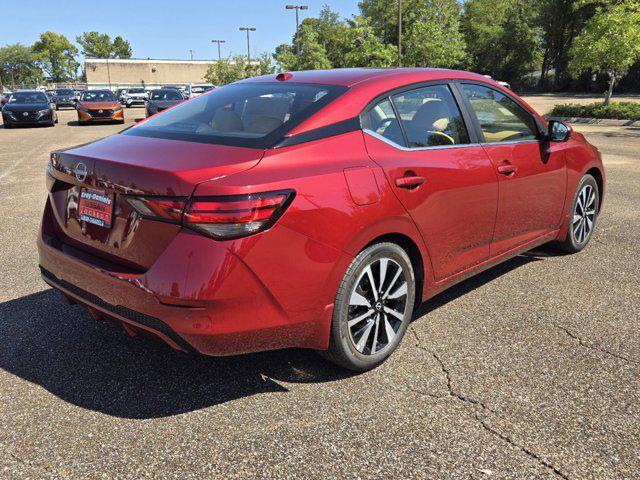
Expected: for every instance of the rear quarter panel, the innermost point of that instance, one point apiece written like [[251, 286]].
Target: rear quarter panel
[[302, 259]]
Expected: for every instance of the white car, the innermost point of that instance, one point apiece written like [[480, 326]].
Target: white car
[[195, 89], [135, 96]]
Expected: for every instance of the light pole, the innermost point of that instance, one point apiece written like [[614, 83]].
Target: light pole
[[297, 9], [399, 33], [191, 54], [248, 29], [218, 42]]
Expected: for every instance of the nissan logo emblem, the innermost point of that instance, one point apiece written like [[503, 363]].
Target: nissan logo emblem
[[80, 172], [99, 111], [26, 114]]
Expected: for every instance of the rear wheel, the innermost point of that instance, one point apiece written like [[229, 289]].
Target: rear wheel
[[584, 212], [373, 308]]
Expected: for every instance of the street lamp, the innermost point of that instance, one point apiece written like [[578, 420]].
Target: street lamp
[[218, 42], [297, 9], [248, 29]]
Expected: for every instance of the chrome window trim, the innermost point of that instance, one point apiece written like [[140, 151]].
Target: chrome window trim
[[417, 149], [511, 142]]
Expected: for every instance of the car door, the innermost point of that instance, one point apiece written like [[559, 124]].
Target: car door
[[438, 171], [531, 174]]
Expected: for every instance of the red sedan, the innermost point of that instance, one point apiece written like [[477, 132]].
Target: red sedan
[[314, 209]]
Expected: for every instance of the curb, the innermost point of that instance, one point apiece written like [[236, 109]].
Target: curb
[[609, 122]]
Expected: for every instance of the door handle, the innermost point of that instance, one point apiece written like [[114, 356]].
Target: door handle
[[409, 182], [507, 169]]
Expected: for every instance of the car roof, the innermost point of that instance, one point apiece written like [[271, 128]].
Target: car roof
[[349, 77]]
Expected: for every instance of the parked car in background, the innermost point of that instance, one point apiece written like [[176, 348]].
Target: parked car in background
[[135, 96], [64, 97], [162, 99], [193, 90], [99, 106], [312, 209], [120, 95], [28, 107]]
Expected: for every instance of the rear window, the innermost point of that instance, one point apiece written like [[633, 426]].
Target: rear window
[[252, 115]]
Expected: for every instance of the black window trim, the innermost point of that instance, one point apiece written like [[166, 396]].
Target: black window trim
[[457, 84], [467, 118]]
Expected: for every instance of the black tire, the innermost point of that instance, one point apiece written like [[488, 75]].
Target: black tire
[[576, 239], [342, 344], [7, 126]]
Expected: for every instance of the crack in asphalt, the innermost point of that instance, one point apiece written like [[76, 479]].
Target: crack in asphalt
[[595, 348], [477, 403], [522, 448]]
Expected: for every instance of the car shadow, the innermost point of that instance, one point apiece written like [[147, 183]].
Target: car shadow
[[95, 365]]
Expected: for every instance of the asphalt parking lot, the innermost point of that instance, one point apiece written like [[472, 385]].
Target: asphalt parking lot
[[531, 369]]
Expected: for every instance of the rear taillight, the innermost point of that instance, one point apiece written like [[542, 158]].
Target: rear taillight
[[165, 209], [222, 218], [236, 216]]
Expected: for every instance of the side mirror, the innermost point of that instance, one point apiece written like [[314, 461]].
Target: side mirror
[[2, 102], [559, 131]]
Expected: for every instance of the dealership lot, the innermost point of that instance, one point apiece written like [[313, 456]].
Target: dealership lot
[[530, 369]]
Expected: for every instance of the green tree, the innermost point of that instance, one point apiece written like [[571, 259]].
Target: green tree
[[122, 48], [99, 45], [366, 49], [431, 30], [313, 55], [18, 64], [610, 42], [330, 42], [502, 37], [57, 56], [237, 68]]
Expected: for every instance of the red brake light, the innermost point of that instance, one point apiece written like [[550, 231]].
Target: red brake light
[[236, 216], [165, 209]]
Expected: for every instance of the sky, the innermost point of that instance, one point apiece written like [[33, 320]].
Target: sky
[[163, 29]]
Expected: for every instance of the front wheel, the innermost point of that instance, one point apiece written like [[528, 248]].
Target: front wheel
[[373, 308], [584, 212]]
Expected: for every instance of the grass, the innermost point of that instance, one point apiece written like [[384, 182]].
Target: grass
[[616, 110]]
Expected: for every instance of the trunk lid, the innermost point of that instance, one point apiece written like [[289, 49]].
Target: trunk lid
[[124, 165]]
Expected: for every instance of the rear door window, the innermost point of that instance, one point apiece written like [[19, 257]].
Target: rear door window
[[430, 117]]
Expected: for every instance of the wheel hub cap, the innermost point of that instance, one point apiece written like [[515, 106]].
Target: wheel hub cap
[[377, 306]]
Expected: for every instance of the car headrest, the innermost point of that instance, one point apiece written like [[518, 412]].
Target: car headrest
[[226, 121], [432, 115]]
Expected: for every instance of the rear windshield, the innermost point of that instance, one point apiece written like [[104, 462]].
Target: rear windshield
[[243, 114], [63, 91]]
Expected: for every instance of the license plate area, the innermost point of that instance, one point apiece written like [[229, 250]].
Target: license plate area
[[96, 207]]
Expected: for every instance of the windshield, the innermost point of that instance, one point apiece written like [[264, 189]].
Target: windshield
[[243, 114], [28, 97], [136, 90], [64, 91], [97, 96], [166, 95], [201, 88]]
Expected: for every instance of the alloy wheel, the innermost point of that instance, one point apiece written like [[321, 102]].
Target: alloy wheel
[[377, 306], [584, 214]]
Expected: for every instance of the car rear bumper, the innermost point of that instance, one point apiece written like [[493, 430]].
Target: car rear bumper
[[197, 296]]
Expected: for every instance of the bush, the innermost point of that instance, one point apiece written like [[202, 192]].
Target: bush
[[616, 110]]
